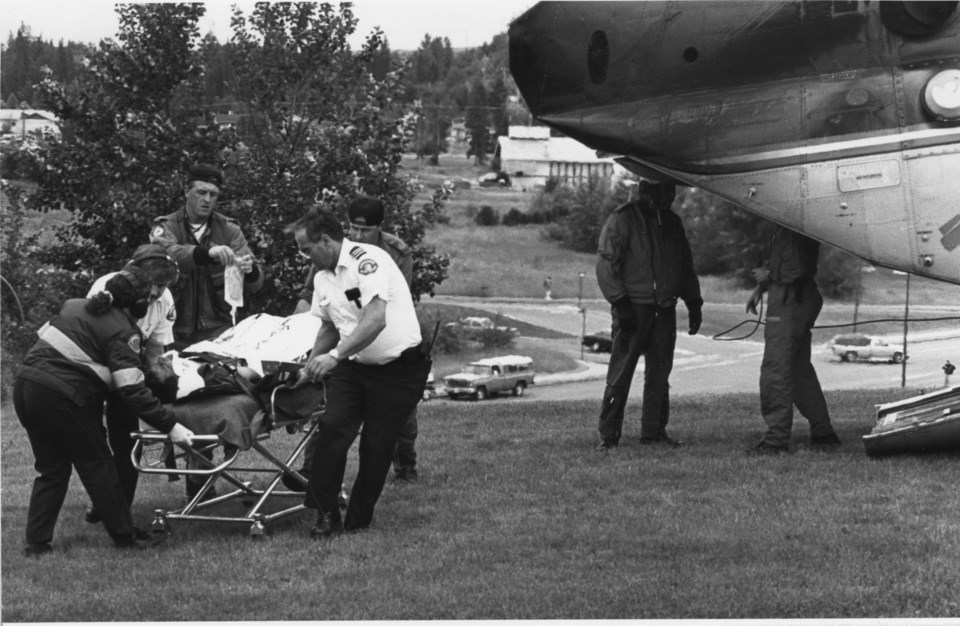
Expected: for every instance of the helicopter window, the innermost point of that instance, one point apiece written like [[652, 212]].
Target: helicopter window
[[598, 57], [690, 54], [917, 19]]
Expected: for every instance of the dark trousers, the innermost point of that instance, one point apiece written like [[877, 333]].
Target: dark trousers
[[65, 436], [655, 339], [406, 455], [120, 423], [377, 398], [787, 377]]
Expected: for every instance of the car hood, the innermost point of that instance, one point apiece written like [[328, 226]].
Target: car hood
[[464, 377]]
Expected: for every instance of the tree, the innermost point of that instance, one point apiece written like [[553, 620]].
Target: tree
[[478, 123], [580, 211], [498, 106], [318, 128]]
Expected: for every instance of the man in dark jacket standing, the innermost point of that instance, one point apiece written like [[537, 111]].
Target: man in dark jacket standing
[[644, 267], [204, 243]]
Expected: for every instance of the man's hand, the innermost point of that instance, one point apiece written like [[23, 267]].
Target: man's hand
[[181, 434], [625, 316], [245, 263], [315, 369], [755, 298], [223, 255], [696, 318], [760, 274]]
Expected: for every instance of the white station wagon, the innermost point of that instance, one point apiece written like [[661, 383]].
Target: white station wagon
[[488, 377], [865, 348]]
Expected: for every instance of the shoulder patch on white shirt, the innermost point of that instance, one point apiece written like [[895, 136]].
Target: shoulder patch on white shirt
[[367, 266], [357, 252]]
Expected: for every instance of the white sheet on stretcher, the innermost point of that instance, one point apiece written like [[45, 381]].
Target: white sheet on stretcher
[[265, 337]]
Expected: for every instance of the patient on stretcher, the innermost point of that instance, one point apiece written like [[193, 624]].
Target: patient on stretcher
[[213, 385], [256, 340]]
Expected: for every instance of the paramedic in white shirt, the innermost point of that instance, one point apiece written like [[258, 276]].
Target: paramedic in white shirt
[[368, 351], [157, 329]]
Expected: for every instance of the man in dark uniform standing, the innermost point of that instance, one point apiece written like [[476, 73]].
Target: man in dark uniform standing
[[644, 266], [787, 377], [376, 371], [366, 216], [204, 243]]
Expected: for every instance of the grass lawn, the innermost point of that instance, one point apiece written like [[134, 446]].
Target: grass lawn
[[516, 517]]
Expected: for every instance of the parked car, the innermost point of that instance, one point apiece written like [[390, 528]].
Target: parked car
[[471, 327], [494, 179], [858, 347], [600, 341], [488, 377]]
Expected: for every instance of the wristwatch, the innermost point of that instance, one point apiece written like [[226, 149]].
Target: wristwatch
[[335, 354]]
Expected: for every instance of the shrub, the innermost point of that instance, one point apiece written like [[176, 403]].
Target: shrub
[[837, 272], [494, 337], [487, 216], [32, 289], [576, 214], [514, 218]]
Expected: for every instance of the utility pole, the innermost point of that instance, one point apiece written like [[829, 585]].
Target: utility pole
[[580, 295], [583, 312], [856, 301], [906, 318]]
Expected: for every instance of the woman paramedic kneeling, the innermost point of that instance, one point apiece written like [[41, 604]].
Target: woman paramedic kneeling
[[93, 346]]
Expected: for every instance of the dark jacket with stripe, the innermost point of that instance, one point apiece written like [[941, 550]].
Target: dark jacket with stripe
[[84, 357]]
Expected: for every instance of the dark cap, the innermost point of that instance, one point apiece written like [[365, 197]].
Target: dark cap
[[206, 173], [150, 251], [156, 263], [365, 211]]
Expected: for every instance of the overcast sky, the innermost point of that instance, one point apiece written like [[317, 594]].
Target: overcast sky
[[467, 23]]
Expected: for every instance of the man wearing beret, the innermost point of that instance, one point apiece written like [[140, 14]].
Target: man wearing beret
[[366, 216], [204, 243], [157, 328]]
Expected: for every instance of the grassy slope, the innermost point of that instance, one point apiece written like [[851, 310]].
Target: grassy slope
[[516, 517]]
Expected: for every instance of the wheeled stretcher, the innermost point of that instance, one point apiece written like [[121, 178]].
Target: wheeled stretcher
[[244, 428]]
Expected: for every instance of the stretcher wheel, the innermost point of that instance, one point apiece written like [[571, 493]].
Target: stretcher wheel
[[160, 523], [257, 529]]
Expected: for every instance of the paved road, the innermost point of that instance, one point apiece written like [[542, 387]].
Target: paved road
[[704, 365]]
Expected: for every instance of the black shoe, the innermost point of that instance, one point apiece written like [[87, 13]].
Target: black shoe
[[141, 539], [607, 446], [92, 516], [766, 449], [328, 525], [826, 440], [37, 549], [405, 472], [661, 440], [291, 483]]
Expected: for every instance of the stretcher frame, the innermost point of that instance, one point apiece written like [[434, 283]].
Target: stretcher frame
[[151, 447]]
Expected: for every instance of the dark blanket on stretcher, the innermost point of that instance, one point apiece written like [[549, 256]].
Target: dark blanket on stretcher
[[237, 418]]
